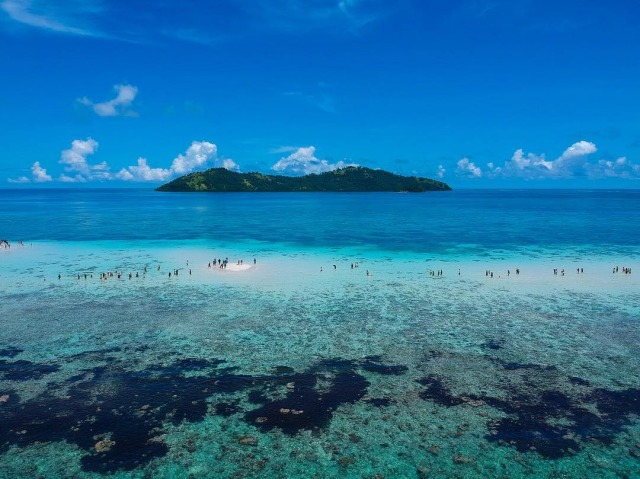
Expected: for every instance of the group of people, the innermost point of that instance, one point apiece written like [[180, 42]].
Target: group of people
[[6, 245], [578, 271], [625, 270], [489, 273], [217, 262], [120, 274], [222, 263]]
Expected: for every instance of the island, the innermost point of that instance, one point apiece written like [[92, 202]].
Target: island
[[349, 179]]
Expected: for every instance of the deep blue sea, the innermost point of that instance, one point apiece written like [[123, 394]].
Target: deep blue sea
[[472, 333], [434, 222]]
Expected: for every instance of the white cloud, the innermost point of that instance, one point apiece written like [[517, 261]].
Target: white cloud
[[573, 162], [79, 170], [46, 15], [118, 20], [468, 169], [524, 166], [22, 179], [197, 155], [120, 105], [72, 179], [578, 149], [303, 162], [229, 164], [39, 173], [75, 161], [441, 171], [619, 168], [143, 172]]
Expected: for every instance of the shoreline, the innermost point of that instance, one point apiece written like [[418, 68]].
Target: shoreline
[[262, 265]]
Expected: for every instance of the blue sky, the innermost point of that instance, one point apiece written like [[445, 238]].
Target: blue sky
[[479, 93]]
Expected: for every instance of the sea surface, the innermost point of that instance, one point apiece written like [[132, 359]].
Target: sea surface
[[373, 335]]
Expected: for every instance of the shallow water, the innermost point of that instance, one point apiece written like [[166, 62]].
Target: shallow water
[[284, 370]]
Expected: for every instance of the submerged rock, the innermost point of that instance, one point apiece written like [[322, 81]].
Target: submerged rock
[[248, 441], [104, 445]]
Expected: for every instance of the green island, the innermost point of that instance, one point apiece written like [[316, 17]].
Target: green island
[[349, 179]]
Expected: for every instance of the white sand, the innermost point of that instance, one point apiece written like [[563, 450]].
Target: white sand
[[24, 268], [236, 267]]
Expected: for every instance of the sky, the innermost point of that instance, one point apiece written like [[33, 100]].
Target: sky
[[477, 93]]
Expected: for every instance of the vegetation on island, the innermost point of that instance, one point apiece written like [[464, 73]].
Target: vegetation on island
[[352, 179]]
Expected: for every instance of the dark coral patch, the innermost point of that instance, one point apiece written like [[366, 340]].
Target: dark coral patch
[[126, 408], [611, 403], [548, 422], [257, 397], [438, 392], [226, 409], [283, 370], [117, 415], [22, 370], [197, 364], [493, 345], [373, 364], [10, 352], [380, 402], [529, 434], [579, 381], [308, 407], [312, 397]]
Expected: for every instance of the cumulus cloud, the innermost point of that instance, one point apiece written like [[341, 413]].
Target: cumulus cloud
[[303, 161], [119, 106], [580, 148], [39, 175], [441, 171], [619, 168], [229, 164], [197, 155], [75, 162], [468, 169], [573, 162], [143, 172], [77, 168], [523, 165], [75, 158]]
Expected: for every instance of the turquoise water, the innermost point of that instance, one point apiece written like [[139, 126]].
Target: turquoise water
[[279, 369]]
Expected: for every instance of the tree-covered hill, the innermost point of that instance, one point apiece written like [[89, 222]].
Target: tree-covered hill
[[351, 178]]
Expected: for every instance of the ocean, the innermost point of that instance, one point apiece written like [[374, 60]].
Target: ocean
[[465, 334]]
